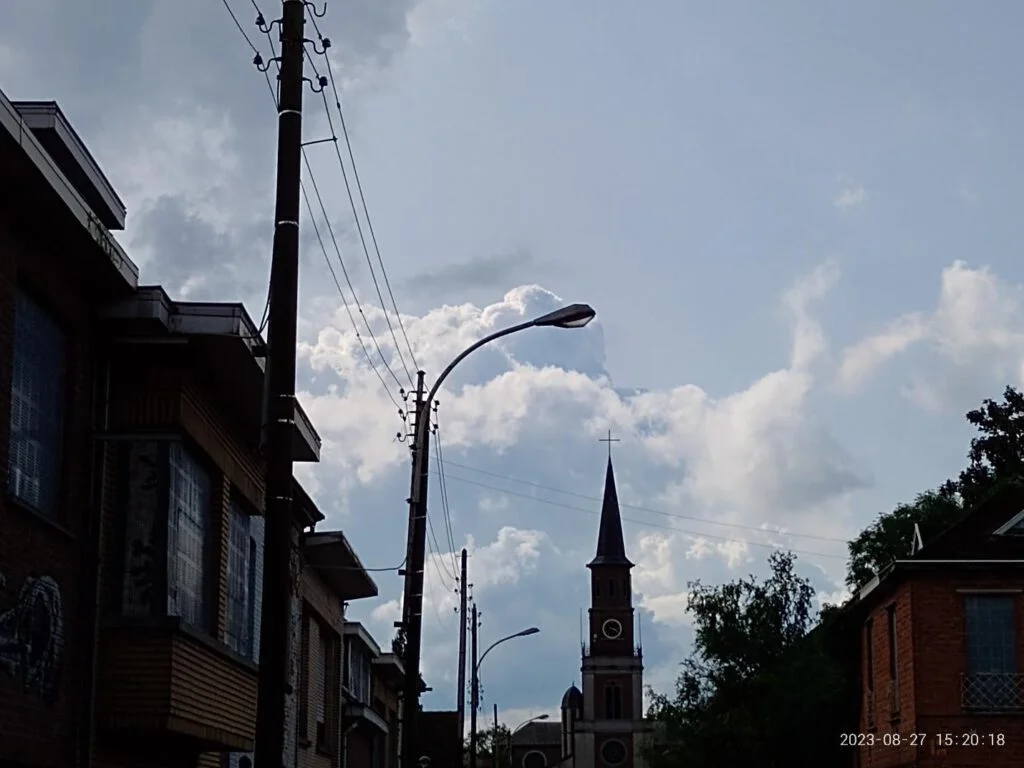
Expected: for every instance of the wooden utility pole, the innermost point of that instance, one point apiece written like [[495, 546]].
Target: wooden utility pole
[[415, 562], [461, 703], [275, 629]]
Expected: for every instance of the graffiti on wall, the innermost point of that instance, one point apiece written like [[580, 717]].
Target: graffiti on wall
[[32, 636]]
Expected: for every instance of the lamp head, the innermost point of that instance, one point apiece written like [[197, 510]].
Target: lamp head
[[572, 316], [542, 717], [525, 632]]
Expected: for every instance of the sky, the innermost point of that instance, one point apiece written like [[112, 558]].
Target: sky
[[796, 225]]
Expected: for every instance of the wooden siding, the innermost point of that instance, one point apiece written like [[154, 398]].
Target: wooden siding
[[241, 464], [162, 679]]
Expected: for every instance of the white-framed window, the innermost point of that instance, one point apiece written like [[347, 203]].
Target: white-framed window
[[37, 407], [360, 674], [239, 634], [188, 538]]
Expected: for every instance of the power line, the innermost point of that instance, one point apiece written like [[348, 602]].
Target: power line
[[648, 524], [649, 510], [362, 239], [362, 199], [316, 229], [234, 18], [444, 495]]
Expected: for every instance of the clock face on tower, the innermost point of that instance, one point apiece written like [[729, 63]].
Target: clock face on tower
[[611, 629]]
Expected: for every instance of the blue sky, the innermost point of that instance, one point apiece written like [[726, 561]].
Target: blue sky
[[798, 227]]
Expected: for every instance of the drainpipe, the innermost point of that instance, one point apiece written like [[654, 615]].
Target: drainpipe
[[90, 602]]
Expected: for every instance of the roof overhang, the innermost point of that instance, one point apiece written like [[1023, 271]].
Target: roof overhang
[[231, 349], [357, 632], [892, 574], [357, 712], [35, 180], [336, 563], [390, 669], [47, 122]]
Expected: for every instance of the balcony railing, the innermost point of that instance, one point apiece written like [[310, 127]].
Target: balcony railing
[[992, 691]]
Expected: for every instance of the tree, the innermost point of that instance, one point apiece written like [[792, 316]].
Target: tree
[[492, 744], [997, 454], [890, 535], [757, 689]]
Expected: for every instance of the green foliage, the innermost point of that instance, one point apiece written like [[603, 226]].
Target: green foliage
[[492, 742], [890, 535], [758, 689], [996, 456]]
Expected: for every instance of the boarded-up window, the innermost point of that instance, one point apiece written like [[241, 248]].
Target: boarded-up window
[[37, 408]]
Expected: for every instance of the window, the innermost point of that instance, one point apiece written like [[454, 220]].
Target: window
[[359, 675], [869, 654], [612, 701], [188, 534], [613, 752], [320, 688], [597, 587], [893, 648], [991, 680], [37, 408], [611, 587], [241, 578], [164, 497], [625, 588]]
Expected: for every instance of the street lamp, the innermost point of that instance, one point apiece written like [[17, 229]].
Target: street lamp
[[520, 727], [572, 316], [474, 687]]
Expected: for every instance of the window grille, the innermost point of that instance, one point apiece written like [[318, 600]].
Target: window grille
[[37, 407], [188, 533]]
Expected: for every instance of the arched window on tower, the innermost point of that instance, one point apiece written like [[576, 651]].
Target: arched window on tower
[[612, 701], [611, 587]]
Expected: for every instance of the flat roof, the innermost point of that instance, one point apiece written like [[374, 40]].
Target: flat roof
[[331, 555], [22, 135]]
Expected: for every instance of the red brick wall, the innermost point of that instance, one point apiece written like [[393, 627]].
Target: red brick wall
[[34, 730], [931, 632]]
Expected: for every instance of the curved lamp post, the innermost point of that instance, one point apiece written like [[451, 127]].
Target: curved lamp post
[[520, 727], [474, 696], [572, 316]]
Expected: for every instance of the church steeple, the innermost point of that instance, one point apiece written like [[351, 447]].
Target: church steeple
[[611, 549]]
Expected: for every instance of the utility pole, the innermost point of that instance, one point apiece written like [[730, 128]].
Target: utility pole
[[474, 696], [275, 630], [412, 601], [494, 739], [461, 704]]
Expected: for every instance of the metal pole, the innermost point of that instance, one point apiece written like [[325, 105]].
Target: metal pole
[[474, 702], [461, 703], [275, 632], [494, 739]]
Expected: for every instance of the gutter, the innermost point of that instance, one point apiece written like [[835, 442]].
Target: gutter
[[872, 585], [93, 561]]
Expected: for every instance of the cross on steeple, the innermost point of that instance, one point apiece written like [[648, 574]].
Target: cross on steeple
[[609, 440]]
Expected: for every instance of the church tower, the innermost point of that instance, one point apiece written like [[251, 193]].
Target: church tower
[[609, 734]]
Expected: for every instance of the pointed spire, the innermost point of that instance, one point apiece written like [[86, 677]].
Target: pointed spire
[[611, 550]]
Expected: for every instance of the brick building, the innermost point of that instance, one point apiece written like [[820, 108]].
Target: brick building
[[58, 265], [333, 576], [943, 647], [131, 535], [371, 693]]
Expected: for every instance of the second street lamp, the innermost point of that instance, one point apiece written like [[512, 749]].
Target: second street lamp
[[517, 729], [474, 687], [571, 316]]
